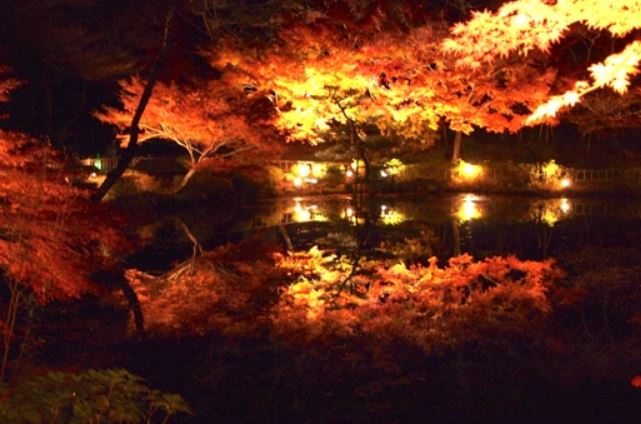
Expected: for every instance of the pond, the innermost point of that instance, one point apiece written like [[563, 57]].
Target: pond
[[409, 228]]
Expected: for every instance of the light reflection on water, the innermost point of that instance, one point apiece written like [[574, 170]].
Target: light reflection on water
[[467, 222], [463, 207], [443, 225]]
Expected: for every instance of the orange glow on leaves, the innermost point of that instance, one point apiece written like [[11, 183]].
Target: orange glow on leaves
[[525, 25], [51, 237]]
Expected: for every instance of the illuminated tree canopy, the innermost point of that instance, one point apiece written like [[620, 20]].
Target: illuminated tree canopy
[[212, 120], [526, 25], [360, 68], [402, 82]]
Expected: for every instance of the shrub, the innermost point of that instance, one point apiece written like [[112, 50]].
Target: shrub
[[93, 396]]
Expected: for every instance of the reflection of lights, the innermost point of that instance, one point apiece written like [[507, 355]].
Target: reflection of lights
[[394, 166], [468, 209], [383, 173], [307, 213], [350, 215], [301, 214], [565, 206], [551, 211], [93, 175], [549, 217], [392, 217], [566, 182], [298, 182], [349, 173], [311, 180]]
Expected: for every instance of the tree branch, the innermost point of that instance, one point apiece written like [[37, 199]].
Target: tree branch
[[130, 151]]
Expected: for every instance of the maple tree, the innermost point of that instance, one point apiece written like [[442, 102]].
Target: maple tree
[[605, 110], [523, 26], [400, 82], [226, 289], [52, 238], [209, 120], [426, 306], [315, 298]]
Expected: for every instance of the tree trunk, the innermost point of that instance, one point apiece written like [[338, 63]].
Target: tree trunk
[[130, 151], [288, 241], [185, 180], [134, 306], [456, 152]]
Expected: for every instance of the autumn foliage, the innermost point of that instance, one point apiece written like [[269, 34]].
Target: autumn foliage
[[225, 290], [52, 237], [305, 298], [402, 82], [209, 119], [429, 307], [523, 26]]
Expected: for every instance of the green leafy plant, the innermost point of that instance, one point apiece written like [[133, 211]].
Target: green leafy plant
[[93, 396]]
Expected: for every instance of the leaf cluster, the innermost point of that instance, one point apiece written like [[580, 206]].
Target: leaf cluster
[[93, 396], [428, 307]]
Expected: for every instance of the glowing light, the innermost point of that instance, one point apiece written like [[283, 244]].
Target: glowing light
[[350, 215], [394, 166], [93, 175], [307, 213], [383, 173], [549, 217], [465, 172], [551, 169], [468, 209], [391, 216], [551, 211], [318, 170], [311, 180], [552, 177], [520, 21], [470, 171], [302, 215], [349, 173], [354, 164], [302, 170], [298, 182]]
